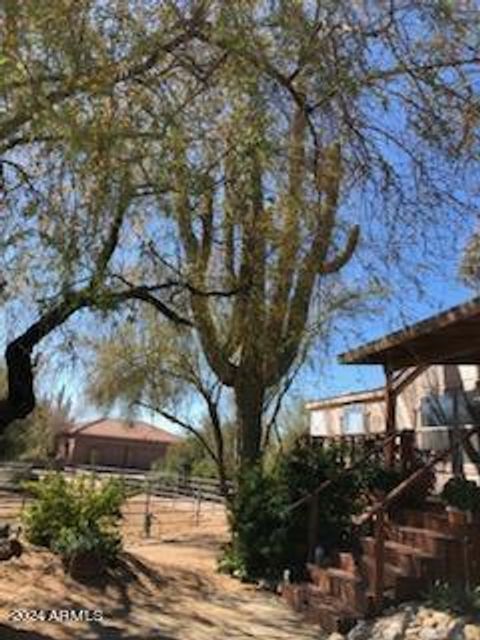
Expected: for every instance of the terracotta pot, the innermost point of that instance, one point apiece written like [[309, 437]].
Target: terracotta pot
[[84, 565]]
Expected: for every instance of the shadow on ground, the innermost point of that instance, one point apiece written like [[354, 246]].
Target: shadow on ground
[[10, 633]]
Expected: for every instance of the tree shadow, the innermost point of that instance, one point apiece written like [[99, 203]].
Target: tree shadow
[[10, 633]]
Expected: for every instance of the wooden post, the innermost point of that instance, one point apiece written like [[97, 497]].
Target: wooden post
[[147, 521], [390, 415], [407, 447], [378, 585], [313, 526], [198, 503], [457, 457]]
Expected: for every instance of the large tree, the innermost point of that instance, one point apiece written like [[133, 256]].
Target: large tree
[[321, 112], [75, 77], [257, 151]]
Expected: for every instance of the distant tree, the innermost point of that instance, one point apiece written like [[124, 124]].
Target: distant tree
[[150, 366], [35, 437], [470, 262]]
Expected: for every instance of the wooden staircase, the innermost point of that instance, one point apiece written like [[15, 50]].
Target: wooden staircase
[[403, 552], [419, 547]]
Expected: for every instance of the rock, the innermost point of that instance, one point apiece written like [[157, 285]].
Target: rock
[[392, 627], [361, 631], [441, 626], [471, 632], [433, 633], [441, 619]]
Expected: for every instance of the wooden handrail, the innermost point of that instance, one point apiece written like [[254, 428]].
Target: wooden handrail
[[379, 510], [326, 483], [398, 491]]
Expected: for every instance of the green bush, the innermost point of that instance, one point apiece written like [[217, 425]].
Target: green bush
[[82, 513], [378, 478], [72, 541], [463, 494], [266, 536], [258, 527], [454, 599]]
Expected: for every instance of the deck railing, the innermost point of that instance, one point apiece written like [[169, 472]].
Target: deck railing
[[397, 446]]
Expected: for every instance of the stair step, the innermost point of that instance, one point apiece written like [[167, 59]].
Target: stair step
[[431, 520], [347, 561], [399, 585], [321, 574], [329, 613], [319, 608], [391, 571], [436, 543], [412, 561], [347, 587]]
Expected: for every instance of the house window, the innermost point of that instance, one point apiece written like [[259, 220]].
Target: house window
[[453, 407], [353, 419], [318, 423]]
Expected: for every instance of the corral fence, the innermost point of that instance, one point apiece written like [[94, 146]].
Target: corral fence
[[159, 505]]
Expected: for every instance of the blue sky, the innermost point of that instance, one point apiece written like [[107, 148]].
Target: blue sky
[[441, 290], [326, 377]]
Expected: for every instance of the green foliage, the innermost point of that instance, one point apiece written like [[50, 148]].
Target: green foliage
[[34, 437], [463, 494], [73, 540], [188, 458], [267, 536], [259, 543], [380, 478], [454, 599], [79, 514], [377, 478]]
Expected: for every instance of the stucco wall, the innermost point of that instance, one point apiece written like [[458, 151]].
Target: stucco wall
[[436, 379], [114, 452]]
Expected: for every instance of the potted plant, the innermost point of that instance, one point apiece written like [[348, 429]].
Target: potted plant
[[462, 499], [86, 552]]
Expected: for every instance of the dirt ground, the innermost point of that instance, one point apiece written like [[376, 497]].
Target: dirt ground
[[166, 588]]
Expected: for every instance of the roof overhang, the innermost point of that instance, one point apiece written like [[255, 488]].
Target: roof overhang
[[451, 337], [361, 397]]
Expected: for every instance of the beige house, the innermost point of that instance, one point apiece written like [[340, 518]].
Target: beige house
[[438, 397], [432, 385]]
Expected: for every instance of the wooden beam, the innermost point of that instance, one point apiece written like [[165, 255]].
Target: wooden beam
[[390, 415]]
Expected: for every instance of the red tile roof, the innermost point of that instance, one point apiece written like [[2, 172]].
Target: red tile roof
[[124, 429]]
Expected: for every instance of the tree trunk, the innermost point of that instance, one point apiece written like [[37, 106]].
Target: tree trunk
[[249, 396], [20, 400]]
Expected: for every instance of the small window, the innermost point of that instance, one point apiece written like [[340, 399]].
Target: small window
[[319, 423], [353, 419], [453, 407]]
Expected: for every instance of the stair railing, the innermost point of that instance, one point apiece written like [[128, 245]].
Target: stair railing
[[405, 438], [379, 511]]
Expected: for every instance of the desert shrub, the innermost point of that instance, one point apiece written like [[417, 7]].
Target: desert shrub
[[83, 512], [453, 598], [81, 539], [462, 493], [258, 526], [267, 537], [52, 509]]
